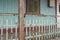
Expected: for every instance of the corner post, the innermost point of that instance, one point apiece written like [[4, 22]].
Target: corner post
[[21, 19]]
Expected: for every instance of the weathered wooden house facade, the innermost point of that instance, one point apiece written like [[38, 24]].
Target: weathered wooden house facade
[[41, 19], [29, 19]]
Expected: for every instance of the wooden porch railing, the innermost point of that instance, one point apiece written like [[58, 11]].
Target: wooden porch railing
[[8, 28], [37, 29]]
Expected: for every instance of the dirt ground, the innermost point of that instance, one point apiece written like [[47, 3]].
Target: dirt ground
[[57, 38]]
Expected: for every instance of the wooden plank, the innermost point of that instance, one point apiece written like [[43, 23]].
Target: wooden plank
[[21, 19]]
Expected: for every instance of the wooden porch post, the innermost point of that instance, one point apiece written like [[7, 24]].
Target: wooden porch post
[[21, 19]]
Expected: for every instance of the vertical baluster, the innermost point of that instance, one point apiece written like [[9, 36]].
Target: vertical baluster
[[6, 29], [1, 29], [26, 33], [26, 30], [49, 30], [29, 28], [53, 28], [53, 31], [56, 28], [36, 29], [33, 28], [39, 32], [16, 30], [38, 26], [48, 27], [16, 34], [4, 38], [42, 30], [39, 29], [33, 24], [36, 32], [33, 33], [1, 33], [44, 26], [11, 30], [30, 32]]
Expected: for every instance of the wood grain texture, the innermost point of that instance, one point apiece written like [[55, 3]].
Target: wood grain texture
[[21, 21]]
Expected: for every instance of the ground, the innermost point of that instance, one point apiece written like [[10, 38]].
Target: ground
[[57, 38]]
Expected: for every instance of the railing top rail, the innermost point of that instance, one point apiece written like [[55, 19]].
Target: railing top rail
[[16, 14], [8, 14], [43, 15]]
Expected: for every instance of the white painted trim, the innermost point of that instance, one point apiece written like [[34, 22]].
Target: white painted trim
[[52, 3], [58, 13]]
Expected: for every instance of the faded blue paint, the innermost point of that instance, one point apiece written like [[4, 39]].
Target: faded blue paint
[[44, 9], [8, 6], [13, 19], [12, 7], [40, 20]]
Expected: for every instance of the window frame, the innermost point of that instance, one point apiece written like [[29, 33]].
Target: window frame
[[58, 3], [59, 8], [51, 3], [33, 13]]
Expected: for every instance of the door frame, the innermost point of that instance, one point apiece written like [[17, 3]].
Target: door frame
[[58, 2]]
